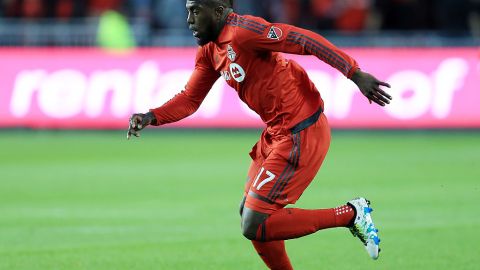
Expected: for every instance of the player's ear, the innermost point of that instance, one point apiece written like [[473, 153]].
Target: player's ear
[[219, 12]]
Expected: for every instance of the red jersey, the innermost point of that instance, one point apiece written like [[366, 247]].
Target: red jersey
[[246, 54]]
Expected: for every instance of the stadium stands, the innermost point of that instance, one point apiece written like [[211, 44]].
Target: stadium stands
[[162, 23]]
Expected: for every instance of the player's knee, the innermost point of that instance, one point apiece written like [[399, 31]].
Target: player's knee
[[242, 204], [251, 221], [249, 230]]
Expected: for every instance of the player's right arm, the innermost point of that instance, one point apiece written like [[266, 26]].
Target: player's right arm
[[184, 103]]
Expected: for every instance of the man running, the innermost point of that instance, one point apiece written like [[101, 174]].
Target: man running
[[246, 52]]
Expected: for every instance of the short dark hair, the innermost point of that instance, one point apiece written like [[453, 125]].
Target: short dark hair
[[225, 3]]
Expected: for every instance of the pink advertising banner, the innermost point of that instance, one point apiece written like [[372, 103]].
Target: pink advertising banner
[[90, 88]]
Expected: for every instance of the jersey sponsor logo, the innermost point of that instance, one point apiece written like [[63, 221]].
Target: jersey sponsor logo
[[231, 54], [237, 72], [226, 75], [275, 33]]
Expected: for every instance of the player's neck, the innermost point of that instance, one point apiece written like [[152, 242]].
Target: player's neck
[[222, 22]]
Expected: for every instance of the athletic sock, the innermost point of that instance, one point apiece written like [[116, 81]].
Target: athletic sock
[[273, 254], [288, 223]]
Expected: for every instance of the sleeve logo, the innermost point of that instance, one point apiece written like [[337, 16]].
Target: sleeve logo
[[274, 33]]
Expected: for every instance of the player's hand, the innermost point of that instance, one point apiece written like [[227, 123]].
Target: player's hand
[[139, 121], [370, 87]]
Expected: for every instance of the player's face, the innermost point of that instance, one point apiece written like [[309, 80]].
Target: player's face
[[201, 20]]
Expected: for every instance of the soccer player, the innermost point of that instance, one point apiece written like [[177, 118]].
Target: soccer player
[[245, 51]]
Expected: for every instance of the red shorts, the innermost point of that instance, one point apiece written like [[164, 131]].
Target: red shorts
[[284, 165]]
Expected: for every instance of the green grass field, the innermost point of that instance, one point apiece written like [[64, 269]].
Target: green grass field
[[169, 200]]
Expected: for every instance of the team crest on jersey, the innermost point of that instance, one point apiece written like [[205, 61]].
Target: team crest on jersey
[[275, 33], [231, 54]]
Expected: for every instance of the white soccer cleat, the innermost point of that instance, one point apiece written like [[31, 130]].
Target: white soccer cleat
[[363, 226]]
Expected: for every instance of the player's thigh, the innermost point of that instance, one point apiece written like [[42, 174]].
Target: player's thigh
[[252, 172], [288, 170]]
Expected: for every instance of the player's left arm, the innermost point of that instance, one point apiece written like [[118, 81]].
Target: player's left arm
[[370, 87], [294, 40]]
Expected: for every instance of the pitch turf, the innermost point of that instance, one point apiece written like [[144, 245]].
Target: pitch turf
[[169, 200]]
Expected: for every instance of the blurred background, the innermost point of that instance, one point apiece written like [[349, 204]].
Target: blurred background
[[162, 22], [57, 71], [75, 194]]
